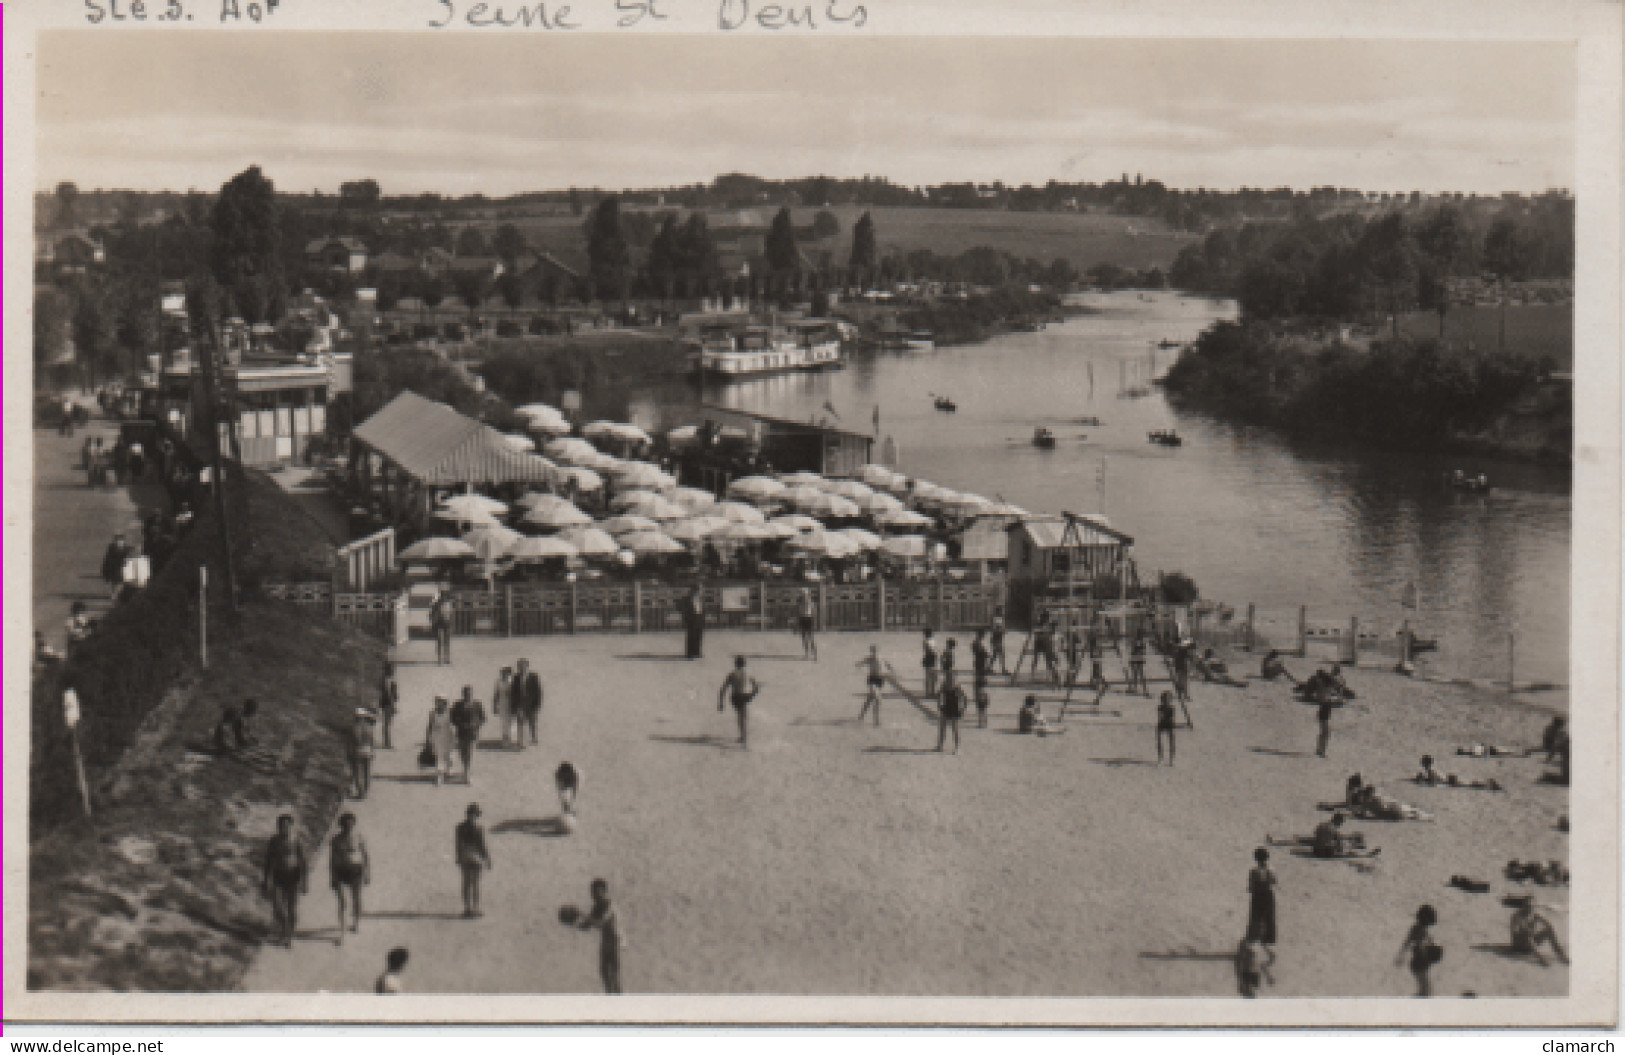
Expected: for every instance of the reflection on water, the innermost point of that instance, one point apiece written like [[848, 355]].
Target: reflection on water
[[1253, 518]]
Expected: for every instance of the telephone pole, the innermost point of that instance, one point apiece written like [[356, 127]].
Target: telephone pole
[[208, 363]]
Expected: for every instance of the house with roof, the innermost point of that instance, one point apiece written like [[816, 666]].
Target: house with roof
[[72, 253], [342, 254]]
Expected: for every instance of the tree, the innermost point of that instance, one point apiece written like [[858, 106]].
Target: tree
[[665, 258], [360, 192], [865, 254], [94, 332], [53, 313], [472, 286], [782, 258], [607, 250], [388, 291], [825, 225], [697, 254], [67, 204], [470, 242], [511, 289], [245, 255], [508, 244]]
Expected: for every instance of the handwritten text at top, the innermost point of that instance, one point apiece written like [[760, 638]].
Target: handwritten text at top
[[731, 15]]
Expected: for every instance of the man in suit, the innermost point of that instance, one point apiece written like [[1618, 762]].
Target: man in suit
[[528, 699]]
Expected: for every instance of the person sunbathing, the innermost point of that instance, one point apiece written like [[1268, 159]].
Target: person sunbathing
[[1031, 719], [1215, 670], [1487, 751], [1273, 668], [1430, 776], [1329, 840], [1530, 930], [1552, 741], [1376, 806]]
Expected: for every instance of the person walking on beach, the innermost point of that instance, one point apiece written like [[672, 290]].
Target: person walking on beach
[[285, 878], [529, 694], [437, 740], [1165, 726], [349, 869], [739, 688], [978, 673], [603, 918], [1179, 668], [875, 679], [467, 718], [949, 710], [1261, 904], [1424, 951], [995, 644], [806, 623], [440, 623], [389, 702], [567, 782], [947, 662], [472, 859], [693, 613], [390, 981], [1323, 716], [358, 747], [928, 663], [503, 711], [1136, 667]]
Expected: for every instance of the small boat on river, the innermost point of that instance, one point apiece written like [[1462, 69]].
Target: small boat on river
[[1166, 438], [1091, 421], [944, 403], [1043, 438]]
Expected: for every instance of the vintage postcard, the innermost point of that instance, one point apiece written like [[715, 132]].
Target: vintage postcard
[[709, 511]]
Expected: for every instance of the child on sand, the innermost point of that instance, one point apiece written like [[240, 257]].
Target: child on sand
[[1424, 951], [390, 981], [567, 781], [604, 919], [875, 679], [1165, 726], [1530, 930], [1261, 906], [739, 688], [950, 710], [1253, 964], [1031, 719]]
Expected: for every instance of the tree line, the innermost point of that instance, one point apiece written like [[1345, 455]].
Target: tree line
[[1346, 265]]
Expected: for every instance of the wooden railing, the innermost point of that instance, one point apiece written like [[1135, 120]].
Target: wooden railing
[[641, 607], [366, 560]]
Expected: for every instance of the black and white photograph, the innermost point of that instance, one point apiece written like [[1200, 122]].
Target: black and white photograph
[[1041, 519]]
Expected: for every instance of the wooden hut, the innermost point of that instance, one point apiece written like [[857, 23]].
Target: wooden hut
[[1062, 556]]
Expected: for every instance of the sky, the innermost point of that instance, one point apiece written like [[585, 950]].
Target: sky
[[461, 113]]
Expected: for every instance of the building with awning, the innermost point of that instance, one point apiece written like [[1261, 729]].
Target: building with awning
[[415, 446], [1064, 556]]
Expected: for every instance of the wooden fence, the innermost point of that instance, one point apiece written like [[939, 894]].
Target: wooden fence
[[640, 607]]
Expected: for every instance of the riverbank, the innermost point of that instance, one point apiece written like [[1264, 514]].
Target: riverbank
[[1411, 395], [835, 857]]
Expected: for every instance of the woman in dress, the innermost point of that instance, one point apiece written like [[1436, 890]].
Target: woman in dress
[[438, 738]]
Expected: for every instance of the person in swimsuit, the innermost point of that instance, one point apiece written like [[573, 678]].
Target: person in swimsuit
[[928, 663], [806, 623], [979, 669], [1552, 741], [390, 981], [1422, 948], [739, 688], [608, 925], [1136, 666], [527, 693], [1327, 840], [389, 702], [1261, 906], [1272, 667], [567, 781], [1031, 720], [1165, 726], [1044, 648], [472, 859], [950, 709], [875, 679], [503, 711], [349, 869], [286, 877], [995, 644], [358, 747], [947, 662], [1323, 717], [1530, 930]]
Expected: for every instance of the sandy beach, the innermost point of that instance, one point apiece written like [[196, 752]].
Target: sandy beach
[[837, 858]]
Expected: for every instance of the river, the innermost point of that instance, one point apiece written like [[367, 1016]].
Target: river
[[1252, 517]]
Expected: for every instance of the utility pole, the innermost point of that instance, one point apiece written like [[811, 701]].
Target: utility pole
[[211, 394]]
